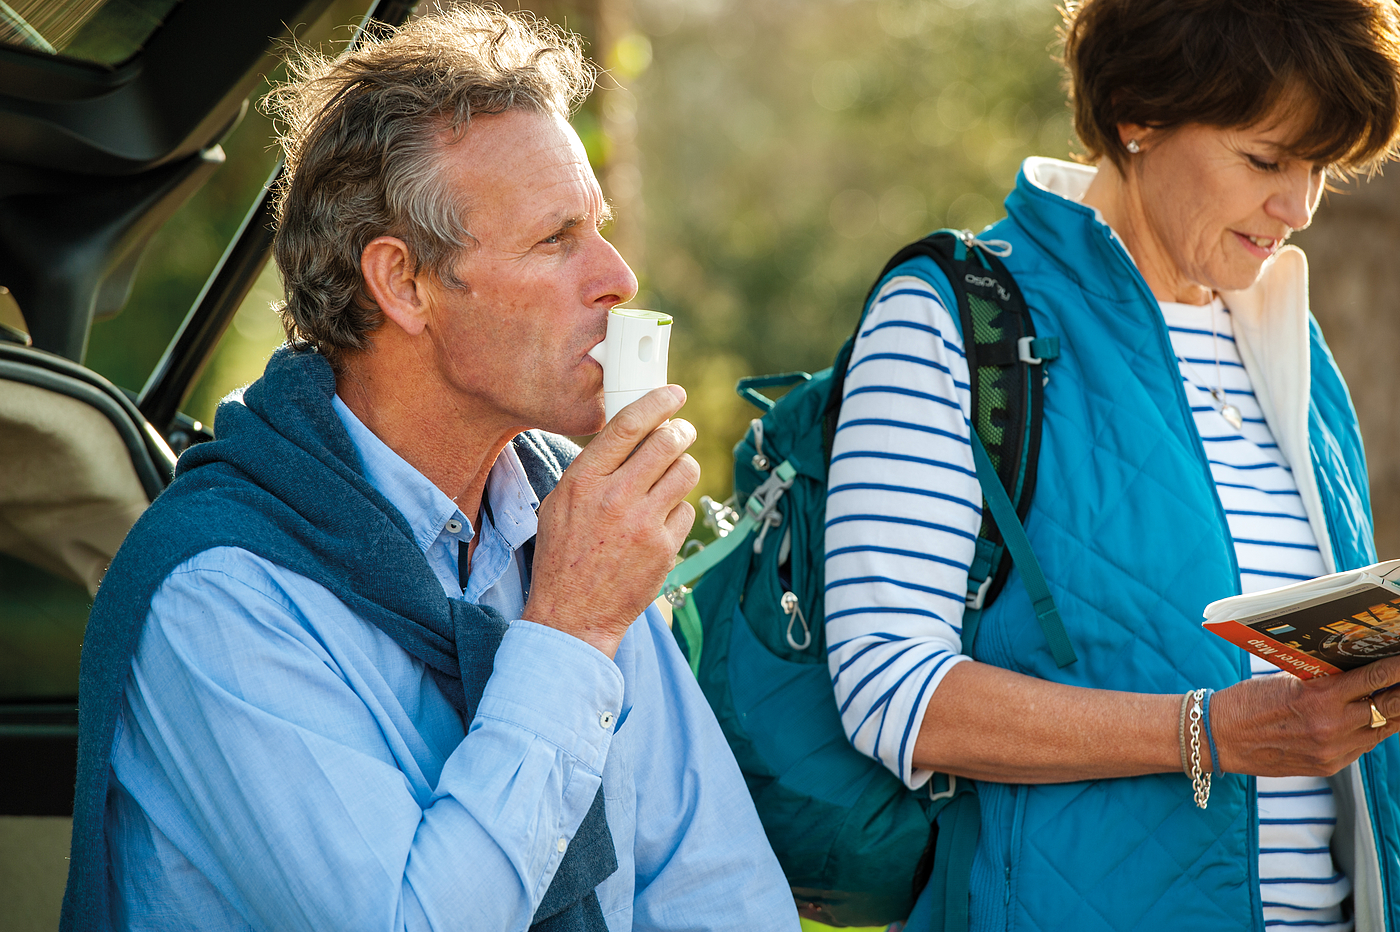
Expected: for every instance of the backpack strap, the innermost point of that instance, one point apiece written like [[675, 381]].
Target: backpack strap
[[1005, 359], [944, 905], [1007, 381], [758, 509], [1031, 574]]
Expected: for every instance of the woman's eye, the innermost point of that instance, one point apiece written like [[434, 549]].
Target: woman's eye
[[1263, 164]]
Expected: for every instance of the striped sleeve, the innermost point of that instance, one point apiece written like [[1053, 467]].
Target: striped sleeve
[[902, 514]]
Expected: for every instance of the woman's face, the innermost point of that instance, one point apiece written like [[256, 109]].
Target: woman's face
[[1213, 204]]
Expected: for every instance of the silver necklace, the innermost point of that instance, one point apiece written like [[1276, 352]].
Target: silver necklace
[[1229, 412]]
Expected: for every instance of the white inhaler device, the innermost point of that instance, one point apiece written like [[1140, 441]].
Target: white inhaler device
[[633, 356]]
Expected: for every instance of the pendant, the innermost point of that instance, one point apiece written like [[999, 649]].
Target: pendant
[[1232, 414]]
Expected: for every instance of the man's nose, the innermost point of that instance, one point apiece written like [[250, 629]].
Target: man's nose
[[614, 282]]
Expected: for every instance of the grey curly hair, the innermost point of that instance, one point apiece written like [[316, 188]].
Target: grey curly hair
[[363, 133]]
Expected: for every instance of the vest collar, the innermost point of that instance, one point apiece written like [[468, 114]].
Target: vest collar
[[1271, 316], [1047, 203]]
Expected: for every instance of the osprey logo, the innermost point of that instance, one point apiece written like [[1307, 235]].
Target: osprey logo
[[983, 281]]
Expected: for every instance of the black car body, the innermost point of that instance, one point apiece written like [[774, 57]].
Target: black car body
[[111, 114]]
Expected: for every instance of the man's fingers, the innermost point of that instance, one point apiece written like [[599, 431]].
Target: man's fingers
[[637, 478], [629, 427], [666, 445], [678, 480], [680, 521]]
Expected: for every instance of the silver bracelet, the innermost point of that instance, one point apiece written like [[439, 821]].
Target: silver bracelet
[[1181, 735], [1200, 777]]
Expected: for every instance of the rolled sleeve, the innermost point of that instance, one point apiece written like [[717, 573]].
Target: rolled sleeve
[[900, 526]]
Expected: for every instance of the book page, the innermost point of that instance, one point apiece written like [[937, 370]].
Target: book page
[[1312, 591]]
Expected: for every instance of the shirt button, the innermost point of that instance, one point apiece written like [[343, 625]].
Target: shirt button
[[606, 719], [561, 845], [454, 526]]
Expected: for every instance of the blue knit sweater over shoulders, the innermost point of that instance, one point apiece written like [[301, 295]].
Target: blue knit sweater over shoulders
[[283, 481]]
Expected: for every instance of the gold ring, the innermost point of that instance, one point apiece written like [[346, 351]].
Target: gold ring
[[1377, 719]]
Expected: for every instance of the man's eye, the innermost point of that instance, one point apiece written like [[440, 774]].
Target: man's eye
[[552, 240]]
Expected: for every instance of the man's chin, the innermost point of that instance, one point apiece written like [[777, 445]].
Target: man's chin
[[585, 421]]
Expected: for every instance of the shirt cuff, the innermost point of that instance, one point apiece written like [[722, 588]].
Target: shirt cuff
[[556, 686], [914, 777]]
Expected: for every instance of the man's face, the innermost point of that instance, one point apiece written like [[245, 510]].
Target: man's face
[[512, 345]]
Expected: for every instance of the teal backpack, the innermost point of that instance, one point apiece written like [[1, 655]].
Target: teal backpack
[[857, 846]]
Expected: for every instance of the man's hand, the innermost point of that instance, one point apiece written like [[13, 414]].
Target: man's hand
[[611, 527]]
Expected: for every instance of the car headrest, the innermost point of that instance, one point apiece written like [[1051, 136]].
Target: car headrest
[[78, 465]]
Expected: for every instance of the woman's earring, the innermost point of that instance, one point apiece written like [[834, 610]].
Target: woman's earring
[[1133, 146]]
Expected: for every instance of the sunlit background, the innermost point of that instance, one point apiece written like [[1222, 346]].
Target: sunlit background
[[765, 157]]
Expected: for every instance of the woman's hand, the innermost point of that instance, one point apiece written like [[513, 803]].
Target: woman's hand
[[1281, 726]]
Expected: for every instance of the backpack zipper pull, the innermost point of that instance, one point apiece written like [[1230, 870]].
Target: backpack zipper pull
[[760, 462], [794, 613]]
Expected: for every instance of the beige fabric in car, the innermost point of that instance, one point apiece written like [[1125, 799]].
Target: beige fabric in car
[[68, 491]]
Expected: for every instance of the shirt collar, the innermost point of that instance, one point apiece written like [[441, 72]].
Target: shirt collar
[[513, 501]]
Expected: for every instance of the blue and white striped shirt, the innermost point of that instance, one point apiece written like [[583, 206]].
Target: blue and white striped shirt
[[903, 510], [1274, 546]]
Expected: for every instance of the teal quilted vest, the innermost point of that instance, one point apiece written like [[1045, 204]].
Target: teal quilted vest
[[1133, 540]]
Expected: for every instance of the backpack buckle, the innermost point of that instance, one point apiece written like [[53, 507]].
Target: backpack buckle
[[718, 516], [762, 505], [949, 793], [975, 600], [986, 557], [1035, 350]]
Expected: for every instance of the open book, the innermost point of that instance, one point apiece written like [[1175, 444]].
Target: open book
[[1319, 627]]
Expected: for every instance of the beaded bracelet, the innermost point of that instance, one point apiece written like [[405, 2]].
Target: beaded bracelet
[[1181, 735], [1210, 736]]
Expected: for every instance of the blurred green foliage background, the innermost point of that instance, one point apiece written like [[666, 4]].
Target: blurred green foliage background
[[788, 149], [765, 158]]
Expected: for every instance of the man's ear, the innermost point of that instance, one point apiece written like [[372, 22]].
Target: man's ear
[[394, 283]]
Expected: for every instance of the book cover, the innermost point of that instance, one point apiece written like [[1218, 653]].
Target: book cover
[[1320, 637]]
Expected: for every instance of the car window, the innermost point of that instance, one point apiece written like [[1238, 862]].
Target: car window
[[126, 347], [41, 631], [102, 32], [246, 345]]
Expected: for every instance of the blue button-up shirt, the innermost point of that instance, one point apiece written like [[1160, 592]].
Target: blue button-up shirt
[[281, 764]]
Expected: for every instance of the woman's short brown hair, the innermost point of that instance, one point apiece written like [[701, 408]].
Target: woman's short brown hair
[[1229, 63]]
